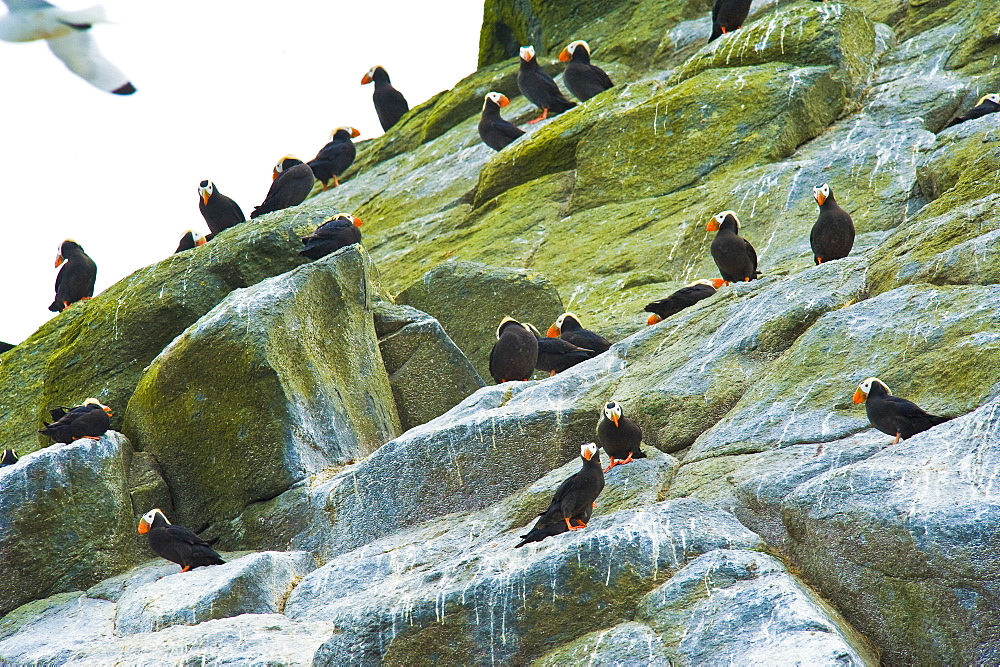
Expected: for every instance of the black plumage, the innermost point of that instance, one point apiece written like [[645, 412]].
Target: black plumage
[[90, 420], [493, 129], [334, 158], [189, 241], [567, 326], [619, 436], [832, 237], [335, 233], [556, 355], [728, 15], [293, 181], [582, 78], [76, 278], [987, 104], [539, 87], [892, 415], [390, 105], [176, 543], [733, 254], [8, 458], [220, 212], [514, 354], [573, 502], [683, 298], [6, 347]]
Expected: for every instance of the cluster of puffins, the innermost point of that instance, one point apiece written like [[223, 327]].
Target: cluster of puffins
[[520, 348]]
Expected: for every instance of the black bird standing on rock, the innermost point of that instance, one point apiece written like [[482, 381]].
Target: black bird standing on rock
[[176, 543], [514, 354], [334, 158], [683, 298], [832, 237], [987, 104], [335, 233], [493, 129], [619, 436], [292, 183], [390, 105], [892, 415], [556, 355], [568, 327], [190, 240], [573, 502], [539, 87], [583, 79], [90, 420], [8, 458], [76, 279], [728, 15], [733, 254], [220, 212]]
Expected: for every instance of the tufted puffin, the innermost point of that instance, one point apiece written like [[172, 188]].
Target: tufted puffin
[[176, 543], [76, 279], [335, 233], [292, 183], [539, 87], [893, 415], [390, 105], [334, 158], [514, 354], [728, 15], [683, 298], [583, 79], [987, 104], [8, 458], [735, 257], [190, 240], [90, 420], [573, 501], [567, 326], [219, 211], [619, 436], [493, 129], [832, 237], [556, 355]]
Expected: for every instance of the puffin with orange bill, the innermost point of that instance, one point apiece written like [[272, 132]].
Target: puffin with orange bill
[[573, 502], [335, 233], [619, 436], [190, 241], [220, 212], [514, 354], [556, 355], [292, 181], [76, 278], [832, 237], [539, 87], [176, 543], [390, 105], [583, 79], [493, 129], [987, 104], [683, 298], [568, 327], [733, 254], [728, 15], [892, 415], [335, 157], [90, 420]]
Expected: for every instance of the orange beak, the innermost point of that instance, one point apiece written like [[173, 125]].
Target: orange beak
[[586, 454], [274, 174], [564, 56], [614, 418], [59, 260], [504, 101], [820, 198], [717, 283], [108, 410], [204, 198], [355, 132], [200, 241], [365, 79], [859, 396], [143, 527], [654, 319], [712, 226], [553, 332], [357, 221]]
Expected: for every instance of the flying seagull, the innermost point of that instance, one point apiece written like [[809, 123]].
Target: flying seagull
[[68, 34]]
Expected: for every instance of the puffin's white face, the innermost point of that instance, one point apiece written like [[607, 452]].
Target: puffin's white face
[[821, 193], [146, 522], [572, 46], [346, 128], [206, 189], [371, 72], [721, 218], [703, 281], [613, 411], [527, 53], [498, 99], [562, 318], [992, 97], [866, 386], [587, 451]]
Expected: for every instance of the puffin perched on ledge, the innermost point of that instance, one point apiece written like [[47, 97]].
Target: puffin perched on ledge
[[892, 415], [190, 241], [735, 257], [832, 237], [619, 436], [728, 15], [567, 326], [556, 355], [683, 298], [514, 354], [573, 502], [220, 212], [539, 87], [335, 157], [176, 543], [75, 281], [90, 420], [987, 104], [335, 233], [493, 129], [390, 105], [583, 79], [292, 181]]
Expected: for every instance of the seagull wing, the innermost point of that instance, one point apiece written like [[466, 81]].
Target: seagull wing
[[21, 5], [80, 54]]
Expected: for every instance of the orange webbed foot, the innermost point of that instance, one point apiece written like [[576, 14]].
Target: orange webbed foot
[[896, 439], [613, 464], [572, 527], [545, 114], [185, 568], [336, 181]]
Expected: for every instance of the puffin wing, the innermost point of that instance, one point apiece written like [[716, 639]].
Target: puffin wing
[[507, 129], [601, 77], [80, 54], [752, 254], [182, 534], [905, 408]]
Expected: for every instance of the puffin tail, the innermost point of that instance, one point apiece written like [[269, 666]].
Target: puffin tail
[[56, 307], [716, 33], [936, 420], [639, 454], [534, 535]]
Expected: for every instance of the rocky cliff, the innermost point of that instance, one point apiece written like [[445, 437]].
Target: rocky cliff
[[327, 422]]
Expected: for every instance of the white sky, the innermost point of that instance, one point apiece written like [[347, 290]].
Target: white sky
[[225, 89]]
